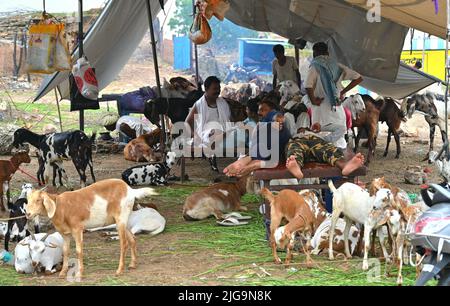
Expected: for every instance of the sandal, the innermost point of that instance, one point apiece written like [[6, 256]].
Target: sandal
[[231, 222], [237, 216]]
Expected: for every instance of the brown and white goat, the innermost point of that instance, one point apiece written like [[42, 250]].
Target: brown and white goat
[[140, 149], [215, 200], [7, 170], [102, 203], [291, 206]]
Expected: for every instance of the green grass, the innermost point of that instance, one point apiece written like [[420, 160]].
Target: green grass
[[9, 276]]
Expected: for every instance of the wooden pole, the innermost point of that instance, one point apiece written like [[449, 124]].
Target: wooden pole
[[197, 78], [155, 63], [80, 50], [59, 110]]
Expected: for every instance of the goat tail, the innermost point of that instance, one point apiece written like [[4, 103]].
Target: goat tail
[[142, 192], [267, 194], [331, 186]]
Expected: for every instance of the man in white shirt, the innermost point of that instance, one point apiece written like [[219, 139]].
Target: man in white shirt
[[325, 91], [211, 114], [284, 68], [130, 126]]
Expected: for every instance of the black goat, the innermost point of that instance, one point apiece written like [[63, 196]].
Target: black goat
[[17, 228], [54, 147]]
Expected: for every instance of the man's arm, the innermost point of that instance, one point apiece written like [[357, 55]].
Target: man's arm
[[312, 97], [190, 119], [299, 78], [350, 86]]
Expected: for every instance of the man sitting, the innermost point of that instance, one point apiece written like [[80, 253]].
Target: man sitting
[[309, 146], [271, 123]]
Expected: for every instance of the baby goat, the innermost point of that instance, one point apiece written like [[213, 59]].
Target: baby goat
[[7, 170]]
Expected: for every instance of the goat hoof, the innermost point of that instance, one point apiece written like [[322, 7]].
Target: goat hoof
[[63, 274], [365, 266], [331, 257], [132, 266], [385, 154], [119, 272], [277, 260], [397, 156]]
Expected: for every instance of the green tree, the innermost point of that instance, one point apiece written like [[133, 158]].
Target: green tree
[[181, 22]]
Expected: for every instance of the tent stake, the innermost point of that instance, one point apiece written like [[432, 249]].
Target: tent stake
[[197, 78], [155, 63]]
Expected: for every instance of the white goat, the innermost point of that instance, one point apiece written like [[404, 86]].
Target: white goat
[[39, 251], [356, 204], [145, 220], [355, 104]]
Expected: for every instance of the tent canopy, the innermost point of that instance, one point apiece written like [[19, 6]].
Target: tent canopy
[[425, 15], [372, 49]]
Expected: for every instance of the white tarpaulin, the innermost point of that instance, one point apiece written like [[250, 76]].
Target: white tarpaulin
[[429, 16], [109, 44]]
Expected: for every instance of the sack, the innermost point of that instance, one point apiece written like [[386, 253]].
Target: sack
[[217, 8], [48, 50], [200, 32], [77, 101], [85, 79]]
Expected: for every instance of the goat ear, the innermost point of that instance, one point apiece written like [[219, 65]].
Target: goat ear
[[50, 205]]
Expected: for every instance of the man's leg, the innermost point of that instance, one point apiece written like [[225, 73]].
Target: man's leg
[[295, 152]]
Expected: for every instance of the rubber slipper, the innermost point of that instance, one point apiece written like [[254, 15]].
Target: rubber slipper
[[231, 222], [237, 216]]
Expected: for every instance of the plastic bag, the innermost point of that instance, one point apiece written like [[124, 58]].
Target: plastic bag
[[42, 43], [200, 32], [48, 50], [217, 8], [85, 79]]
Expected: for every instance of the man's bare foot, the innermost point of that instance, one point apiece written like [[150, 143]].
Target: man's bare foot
[[293, 167], [356, 162], [236, 167]]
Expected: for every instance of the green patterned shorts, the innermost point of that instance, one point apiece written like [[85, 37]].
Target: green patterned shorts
[[311, 148]]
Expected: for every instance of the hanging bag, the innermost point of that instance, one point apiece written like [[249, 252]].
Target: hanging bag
[[85, 79], [200, 32]]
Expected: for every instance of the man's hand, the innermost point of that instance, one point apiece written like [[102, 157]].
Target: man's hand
[[316, 127], [301, 130], [317, 101]]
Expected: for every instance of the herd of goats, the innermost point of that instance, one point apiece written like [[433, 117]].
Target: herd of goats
[[383, 209]]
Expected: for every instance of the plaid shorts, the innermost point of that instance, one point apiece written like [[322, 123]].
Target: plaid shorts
[[311, 148]]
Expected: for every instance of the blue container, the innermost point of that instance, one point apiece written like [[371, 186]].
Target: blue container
[[328, 196], [181, 53], [258, 53]]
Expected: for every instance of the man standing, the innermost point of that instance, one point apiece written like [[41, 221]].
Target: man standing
[[325, 91], [284, 68]]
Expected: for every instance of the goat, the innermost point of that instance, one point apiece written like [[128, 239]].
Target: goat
[[52, 148], [39, 251], [144, 220], [291, 206], [215, 200], [356, 204], [393, 116], [7, 170], [102, 203], [17, 228], [368, 120], [425, 103], [140, 149], [151, 174]]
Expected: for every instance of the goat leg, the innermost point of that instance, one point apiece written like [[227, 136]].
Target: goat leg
[[397, 143], [66, 251], [388, 141], [367, 231], [348, 224]]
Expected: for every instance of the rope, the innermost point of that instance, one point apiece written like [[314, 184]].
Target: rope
[[29, 175], [15, 218]]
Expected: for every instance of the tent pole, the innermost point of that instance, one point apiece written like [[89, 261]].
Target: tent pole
[[197, 78], [155, 63], [59, 110], [447, 38], [80, 50]]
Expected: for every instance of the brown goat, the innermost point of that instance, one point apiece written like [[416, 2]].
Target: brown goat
[[7, 170], [368, 120], [393, 116], [140, 149]]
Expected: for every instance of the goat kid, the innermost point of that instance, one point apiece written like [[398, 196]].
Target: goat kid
[[7, 170], [102, 203], [356, 204], [140, 149], [151, 174], [291, 206], [215, 200]]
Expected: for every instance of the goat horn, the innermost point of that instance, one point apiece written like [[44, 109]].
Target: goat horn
[[52, 245], [45, 237], [33, 237]]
